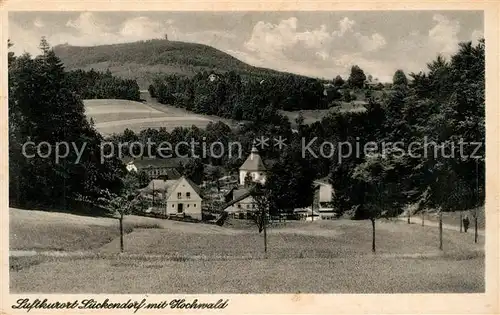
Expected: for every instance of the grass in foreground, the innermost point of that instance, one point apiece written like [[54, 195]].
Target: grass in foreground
[[328, 239], [327, 256], [49, 231], [357, 274]]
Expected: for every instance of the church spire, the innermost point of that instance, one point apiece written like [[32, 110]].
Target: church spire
[[254, 161], [254, 149]]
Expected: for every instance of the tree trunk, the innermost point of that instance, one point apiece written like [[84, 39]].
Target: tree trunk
[[461, 222], [423, 217], [409, 216], [373, 235], [312, 211], [475, 228], [121, 233], [440, 230], [265, 233]]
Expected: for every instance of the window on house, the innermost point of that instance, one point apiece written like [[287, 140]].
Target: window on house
[[179, 195], [188, 195], [173, 205], [188, 205], [239, 205], [195, 205], [248, 206]]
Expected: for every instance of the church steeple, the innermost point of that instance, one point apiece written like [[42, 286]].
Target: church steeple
[[254, 166], [254, 161]]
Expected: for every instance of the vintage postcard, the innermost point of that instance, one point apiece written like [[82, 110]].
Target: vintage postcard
[[250, 158]]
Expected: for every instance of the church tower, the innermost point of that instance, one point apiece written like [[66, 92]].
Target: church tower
[[253, 166]]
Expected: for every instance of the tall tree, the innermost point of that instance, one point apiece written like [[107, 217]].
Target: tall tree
[[399, 78], [43, 109], [262, 199], [338, 81], [289, 183], [378, 179], [357, 77]]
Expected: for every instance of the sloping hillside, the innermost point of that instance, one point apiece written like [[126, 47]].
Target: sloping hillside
[[114, 116], [142, 60]]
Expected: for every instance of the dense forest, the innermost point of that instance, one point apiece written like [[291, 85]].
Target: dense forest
[[93, 84], [228, 95], [445, 104], [45, 105]]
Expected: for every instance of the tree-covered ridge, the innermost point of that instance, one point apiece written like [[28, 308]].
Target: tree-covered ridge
[[150, 52], [232, 95], [143, 60], [227, 95]]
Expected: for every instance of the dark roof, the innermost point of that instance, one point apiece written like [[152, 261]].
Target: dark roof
[[168, 186], [170, 173], [323, 180], [153, 162], [237, 193], [195, 187], [253, 162], [160, 185], [127, 159]]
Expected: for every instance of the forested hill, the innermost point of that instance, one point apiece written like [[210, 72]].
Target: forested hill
[[142, 60]]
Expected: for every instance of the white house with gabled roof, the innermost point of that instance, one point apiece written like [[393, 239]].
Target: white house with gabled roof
[[182, 197]]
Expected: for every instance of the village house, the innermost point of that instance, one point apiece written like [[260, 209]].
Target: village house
[[322, 206], [156, 168], [323, 198], [212, 77], [180, 197]]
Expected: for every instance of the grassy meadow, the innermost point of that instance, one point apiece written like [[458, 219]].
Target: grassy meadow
[[312, 116], [163, 256], [114, 116]]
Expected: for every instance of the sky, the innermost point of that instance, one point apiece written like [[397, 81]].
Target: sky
[[319, 44]]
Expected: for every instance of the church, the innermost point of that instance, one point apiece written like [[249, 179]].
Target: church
[[253, 168], [251, 171]]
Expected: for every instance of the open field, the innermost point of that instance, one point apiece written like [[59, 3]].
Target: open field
[[114, 116], [312, 116], [163, 256]]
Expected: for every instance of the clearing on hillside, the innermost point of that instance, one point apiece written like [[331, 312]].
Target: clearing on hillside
[[114, 116]]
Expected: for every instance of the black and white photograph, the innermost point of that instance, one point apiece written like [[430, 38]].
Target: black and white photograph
[[245, 152]]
